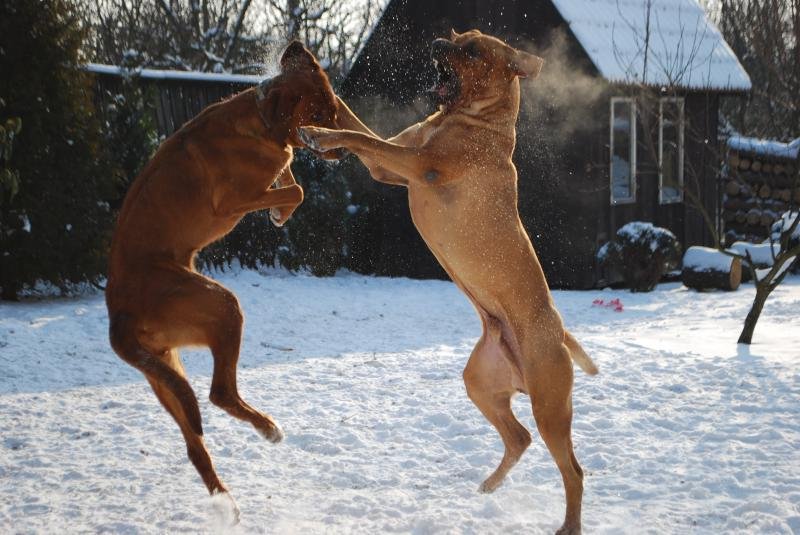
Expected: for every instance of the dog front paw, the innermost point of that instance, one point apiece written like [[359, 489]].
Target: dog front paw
[[275, 217], [318, 139]]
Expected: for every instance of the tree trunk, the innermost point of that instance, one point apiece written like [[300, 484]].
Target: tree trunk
[[755, 311]]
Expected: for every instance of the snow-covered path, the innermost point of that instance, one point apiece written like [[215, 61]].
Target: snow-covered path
[[682, 431]]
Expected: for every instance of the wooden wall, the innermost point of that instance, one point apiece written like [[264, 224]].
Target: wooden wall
[[701, 168]]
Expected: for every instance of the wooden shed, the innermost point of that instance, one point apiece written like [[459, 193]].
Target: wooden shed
[[621, 122]]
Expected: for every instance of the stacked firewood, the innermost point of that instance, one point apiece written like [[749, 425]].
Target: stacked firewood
[[758, 188]]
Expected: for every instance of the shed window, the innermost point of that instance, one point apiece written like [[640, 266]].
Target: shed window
[[623, 150], [670, 150]]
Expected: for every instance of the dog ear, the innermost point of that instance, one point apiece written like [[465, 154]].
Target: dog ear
[[297, 57], [453, 34], [526, 65], [278, 109]]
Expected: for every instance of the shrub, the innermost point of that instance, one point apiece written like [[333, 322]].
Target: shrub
[[58, 221], [318, 236], [641, 253], [314, 238], [127, 112]]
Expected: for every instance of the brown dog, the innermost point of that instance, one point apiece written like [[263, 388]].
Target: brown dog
[[199, 184], [463, 199]]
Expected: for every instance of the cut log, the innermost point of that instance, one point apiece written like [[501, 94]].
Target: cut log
[[753, 216], [768, 217], [766, 168], [734, 160], [760, 253], [756, 166], [732, 188], [728, 215], [780, 206], [740, 216], [749, 177], [732, 204], [782, 181], [750, 202], [705, 268], [784, 195], [765, 192], [744, 163]]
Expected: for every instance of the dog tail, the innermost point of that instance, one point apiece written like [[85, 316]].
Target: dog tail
[[122, 334], [579, 355]]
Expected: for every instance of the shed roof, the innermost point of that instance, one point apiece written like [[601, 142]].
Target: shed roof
[[155, 74], [684, 48]]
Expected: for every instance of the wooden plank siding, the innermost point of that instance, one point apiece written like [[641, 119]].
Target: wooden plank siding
[[701, 165]]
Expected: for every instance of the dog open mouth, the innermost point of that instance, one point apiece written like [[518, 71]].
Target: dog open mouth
[[445, 90]]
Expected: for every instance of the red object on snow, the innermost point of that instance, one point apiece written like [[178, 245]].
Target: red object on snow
[[616, 304]]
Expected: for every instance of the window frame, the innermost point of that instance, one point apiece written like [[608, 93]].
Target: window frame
[[633, 112], [681, 149]]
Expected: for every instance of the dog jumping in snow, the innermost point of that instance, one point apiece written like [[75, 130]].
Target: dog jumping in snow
[[201, 182], [462, 193]]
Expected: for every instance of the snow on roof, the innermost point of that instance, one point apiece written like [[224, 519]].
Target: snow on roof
[[765, 147], [154, 74], [684, 49]]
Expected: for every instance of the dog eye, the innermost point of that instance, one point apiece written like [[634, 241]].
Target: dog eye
[[472, 50], [317, 117]]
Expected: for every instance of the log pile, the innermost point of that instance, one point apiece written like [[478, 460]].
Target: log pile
[[760, 182]]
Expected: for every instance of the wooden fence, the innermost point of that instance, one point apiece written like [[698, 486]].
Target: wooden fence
[[179, 96]]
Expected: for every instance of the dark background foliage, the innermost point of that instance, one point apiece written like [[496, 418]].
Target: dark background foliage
[[56, 227]]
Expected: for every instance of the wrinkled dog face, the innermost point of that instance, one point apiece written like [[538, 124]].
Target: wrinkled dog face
[[301, 95], [471, 64]]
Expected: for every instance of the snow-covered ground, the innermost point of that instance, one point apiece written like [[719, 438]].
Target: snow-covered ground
[[682, 432]]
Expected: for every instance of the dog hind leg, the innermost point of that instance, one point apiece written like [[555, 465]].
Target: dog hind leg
[[165, 373], [224, 391], [195, 310], [549, 377], [489, 383]]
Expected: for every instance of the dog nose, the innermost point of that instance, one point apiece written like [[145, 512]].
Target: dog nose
[[440, 46]]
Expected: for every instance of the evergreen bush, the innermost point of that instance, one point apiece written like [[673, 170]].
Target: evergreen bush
[[641, 253], [318, 229], [127, 112], [58, 221]]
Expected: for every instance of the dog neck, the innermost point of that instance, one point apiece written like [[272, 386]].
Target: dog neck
[[495, 112], [260, 91]]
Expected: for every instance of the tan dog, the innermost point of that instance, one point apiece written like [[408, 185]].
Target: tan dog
[[199, 184], [462, 192]]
